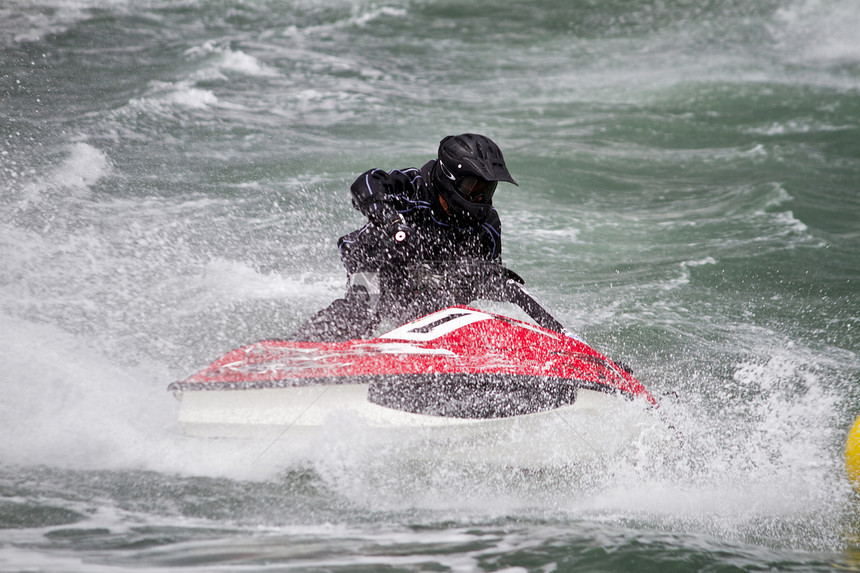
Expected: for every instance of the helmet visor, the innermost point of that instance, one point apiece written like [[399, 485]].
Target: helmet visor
[[476, 189]]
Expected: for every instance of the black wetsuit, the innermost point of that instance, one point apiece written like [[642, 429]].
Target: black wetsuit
[[400, 204]]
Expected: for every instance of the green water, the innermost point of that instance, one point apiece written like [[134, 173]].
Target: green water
[[174, 177]]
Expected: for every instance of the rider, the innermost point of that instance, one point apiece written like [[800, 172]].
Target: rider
[[440, 212]]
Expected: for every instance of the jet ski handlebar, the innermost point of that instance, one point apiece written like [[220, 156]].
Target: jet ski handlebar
[[469, 280]]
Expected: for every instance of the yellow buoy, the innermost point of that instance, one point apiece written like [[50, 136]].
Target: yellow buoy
[[852, 454]]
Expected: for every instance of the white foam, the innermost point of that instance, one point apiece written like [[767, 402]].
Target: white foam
[[229, 59], [684, 277], [813, 31], [765, 460], [790, 222], [239, 61], [777, 196], [28, 25], [226, 280], [568, 235], [82, 168], [192, 97], [163, 98], [361, 20], [66, 404]]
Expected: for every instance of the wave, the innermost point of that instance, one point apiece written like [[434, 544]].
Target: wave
[[83, 166], [226, 59]]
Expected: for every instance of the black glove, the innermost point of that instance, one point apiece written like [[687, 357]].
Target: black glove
[[406, 245], [403, 241]]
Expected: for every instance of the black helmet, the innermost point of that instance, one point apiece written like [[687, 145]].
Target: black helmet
[[466, 174]]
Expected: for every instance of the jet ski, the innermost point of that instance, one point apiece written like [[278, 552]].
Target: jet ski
[[475, 383]]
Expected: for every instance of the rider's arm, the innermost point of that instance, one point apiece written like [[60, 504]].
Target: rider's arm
[[490, 237], [377, 194]]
